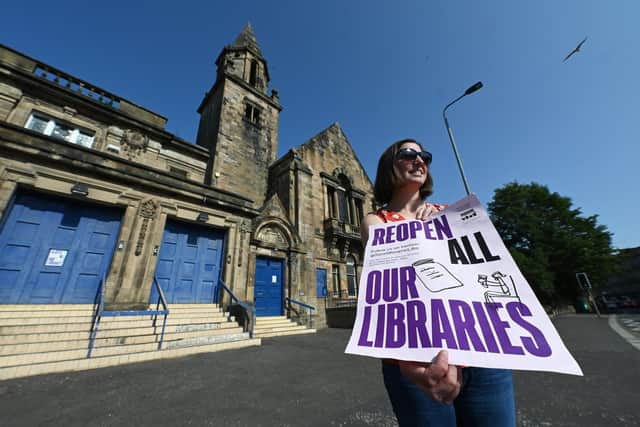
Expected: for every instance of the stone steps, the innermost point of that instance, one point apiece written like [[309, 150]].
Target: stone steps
[[37, 339], [101, 362], [273, 326]]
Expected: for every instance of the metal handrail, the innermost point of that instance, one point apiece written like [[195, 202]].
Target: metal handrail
[[165, 310], [101, 312], [304, 305], [95, 322], [251, 311]]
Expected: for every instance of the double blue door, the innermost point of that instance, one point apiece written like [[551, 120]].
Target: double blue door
[[189, 264], [268, 290], [55, 251]]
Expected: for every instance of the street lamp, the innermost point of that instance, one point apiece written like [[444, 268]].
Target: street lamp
[[469, 91]]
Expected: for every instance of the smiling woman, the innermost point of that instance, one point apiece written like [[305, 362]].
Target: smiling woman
[[437, 393]]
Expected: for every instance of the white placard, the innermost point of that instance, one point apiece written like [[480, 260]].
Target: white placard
[[55, 258], [274, 279], [450, 283]]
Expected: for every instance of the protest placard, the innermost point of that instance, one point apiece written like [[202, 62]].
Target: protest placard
[[450, 283]]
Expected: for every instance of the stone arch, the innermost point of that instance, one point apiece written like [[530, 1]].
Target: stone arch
[[274, 231]]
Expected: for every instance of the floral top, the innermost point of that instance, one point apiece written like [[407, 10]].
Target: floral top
[[391, 216]]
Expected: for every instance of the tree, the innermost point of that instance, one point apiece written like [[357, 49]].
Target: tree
[[551, 241]]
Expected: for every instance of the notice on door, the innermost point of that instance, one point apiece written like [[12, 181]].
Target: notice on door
[[55, 258], [274, 279]]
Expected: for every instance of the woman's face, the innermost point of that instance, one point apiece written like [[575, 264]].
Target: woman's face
[[408, 171]]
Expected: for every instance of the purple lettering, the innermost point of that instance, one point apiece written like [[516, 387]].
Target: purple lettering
[[428, 229], [440, 327], [378, 237], [408, 283], [442, 227], [487, 333], [390, 230], [402, 232], [372, 295], [464, 323], [414, 226], [500, 326], [538, 346], [364, 334], [395, 326], [390, 285], [380, 329], [417, 324]]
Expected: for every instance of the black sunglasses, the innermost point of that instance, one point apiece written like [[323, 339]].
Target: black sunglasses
[[412, 155]]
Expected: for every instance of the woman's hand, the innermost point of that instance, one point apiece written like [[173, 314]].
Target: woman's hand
[[425, 210], [439, 380]]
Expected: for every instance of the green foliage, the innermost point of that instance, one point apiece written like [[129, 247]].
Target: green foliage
[[550, 241]]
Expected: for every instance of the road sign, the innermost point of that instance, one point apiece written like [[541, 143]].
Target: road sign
[[583, 281]]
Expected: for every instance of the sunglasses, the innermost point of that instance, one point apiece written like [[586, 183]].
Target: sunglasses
[[412, 155]]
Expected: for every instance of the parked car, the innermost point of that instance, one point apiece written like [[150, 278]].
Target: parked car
[[607, 303], [628, 302]]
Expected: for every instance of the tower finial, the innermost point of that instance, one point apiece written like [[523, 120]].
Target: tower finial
[[247, 39]]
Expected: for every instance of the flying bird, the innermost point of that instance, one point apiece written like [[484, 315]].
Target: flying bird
[[576, 50]]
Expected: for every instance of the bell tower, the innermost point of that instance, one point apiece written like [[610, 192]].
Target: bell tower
[[239, 121]]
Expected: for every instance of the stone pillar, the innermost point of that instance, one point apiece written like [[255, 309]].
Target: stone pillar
[[139, 261]]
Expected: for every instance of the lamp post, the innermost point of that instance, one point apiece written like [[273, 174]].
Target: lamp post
[[469, 91]]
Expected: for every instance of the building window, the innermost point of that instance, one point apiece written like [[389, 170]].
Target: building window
[[344, 204], [331, 202], [252, 114], [352, 284], [56, 129], [359, 212], [253, 73], [335, 273]]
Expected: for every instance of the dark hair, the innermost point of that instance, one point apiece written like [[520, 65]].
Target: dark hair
[[386, 174]]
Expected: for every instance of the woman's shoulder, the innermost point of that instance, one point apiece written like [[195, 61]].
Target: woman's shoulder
[[385, 215], [376, 217]]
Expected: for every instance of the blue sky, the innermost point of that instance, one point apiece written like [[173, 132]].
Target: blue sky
[[384, 70]]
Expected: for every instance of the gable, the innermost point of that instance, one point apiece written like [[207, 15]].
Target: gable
[[330, 152]]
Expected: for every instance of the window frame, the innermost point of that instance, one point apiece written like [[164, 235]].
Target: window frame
[[335, 279], [53, 123], [351, 262], [252, 113]]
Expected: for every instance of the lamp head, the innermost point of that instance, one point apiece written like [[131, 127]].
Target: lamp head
[[473, 88]]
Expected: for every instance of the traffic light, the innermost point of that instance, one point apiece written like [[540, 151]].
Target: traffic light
[[583, 281]]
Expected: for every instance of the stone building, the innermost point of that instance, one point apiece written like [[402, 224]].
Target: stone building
[[94, 190]]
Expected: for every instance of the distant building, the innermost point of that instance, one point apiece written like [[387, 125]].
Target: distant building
[[627, 279], [92, 186]]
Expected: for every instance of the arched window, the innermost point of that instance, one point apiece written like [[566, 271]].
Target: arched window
[[253, 73], [352, 285]]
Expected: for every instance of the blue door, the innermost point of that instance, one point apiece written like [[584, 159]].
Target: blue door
[[189, 264], [321, 283], [268, 291], [55, 250]]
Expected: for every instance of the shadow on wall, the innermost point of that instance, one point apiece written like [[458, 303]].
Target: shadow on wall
[[341, 317]]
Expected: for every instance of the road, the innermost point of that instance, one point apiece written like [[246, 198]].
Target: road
[[309, 381], [607, 395]]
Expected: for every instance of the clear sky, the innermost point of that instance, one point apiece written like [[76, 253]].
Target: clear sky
[[384, 70]]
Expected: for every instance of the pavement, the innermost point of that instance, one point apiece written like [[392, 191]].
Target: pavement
[[307, 380], [607, 395]]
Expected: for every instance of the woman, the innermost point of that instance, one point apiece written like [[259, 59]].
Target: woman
[[432, 394]]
